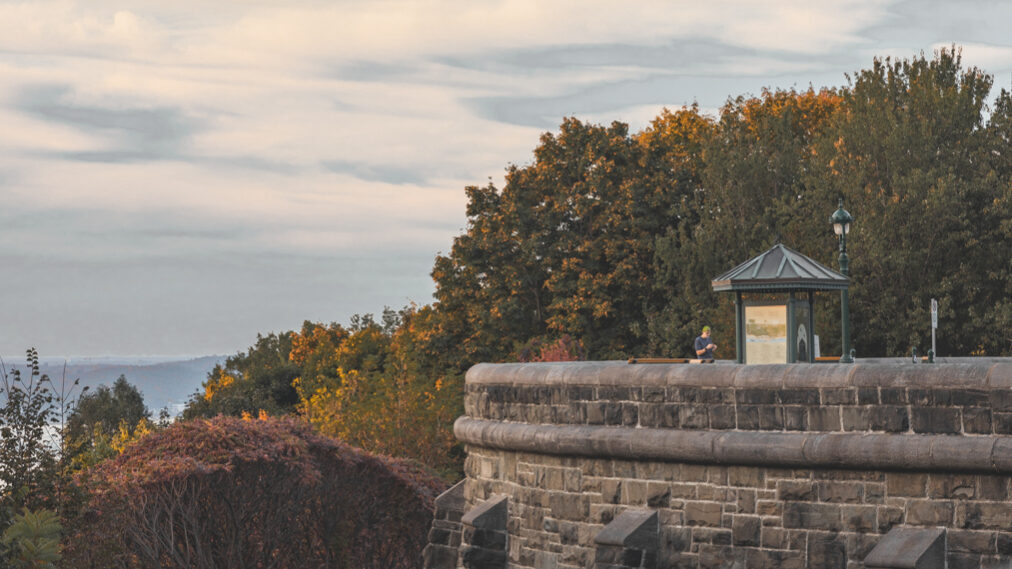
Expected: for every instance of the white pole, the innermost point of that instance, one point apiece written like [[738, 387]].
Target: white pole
[[934, 325]]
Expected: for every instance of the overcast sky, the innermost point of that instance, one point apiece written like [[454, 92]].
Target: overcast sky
[[177, 176]]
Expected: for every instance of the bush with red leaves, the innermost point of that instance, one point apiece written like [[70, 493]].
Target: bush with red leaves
[[230, 493]]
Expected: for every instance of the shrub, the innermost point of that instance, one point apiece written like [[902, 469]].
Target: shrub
[[234, 493]]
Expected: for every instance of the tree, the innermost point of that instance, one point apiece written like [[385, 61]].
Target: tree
[[383, 387], [260, 379], [103, 413], [910, 153], [568, 245], [750, 192]]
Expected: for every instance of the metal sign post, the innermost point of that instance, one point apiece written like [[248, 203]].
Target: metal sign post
[[934, 324]]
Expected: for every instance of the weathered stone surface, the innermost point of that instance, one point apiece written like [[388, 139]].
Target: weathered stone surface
[[929, 513], [745, 530], [764, 472], [909, 547], [808, 515]]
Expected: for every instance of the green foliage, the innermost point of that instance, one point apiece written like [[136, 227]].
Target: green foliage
[[911, 155], [27, 455], [99, 417], [34, 538], [260, 379]]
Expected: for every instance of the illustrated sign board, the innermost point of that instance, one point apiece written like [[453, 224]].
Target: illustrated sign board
[[766, 334]]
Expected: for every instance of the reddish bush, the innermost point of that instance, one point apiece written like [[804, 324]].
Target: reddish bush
[[233, 493]]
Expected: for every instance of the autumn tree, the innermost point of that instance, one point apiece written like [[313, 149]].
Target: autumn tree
[[259, 379], [568, 245]]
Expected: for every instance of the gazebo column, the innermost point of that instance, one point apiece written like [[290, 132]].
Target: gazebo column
[[739, 328], [811, 326]]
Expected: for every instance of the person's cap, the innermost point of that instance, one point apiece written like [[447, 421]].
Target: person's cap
[[706, 328]]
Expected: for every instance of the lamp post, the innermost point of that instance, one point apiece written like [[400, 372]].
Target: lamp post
[[841, 220]]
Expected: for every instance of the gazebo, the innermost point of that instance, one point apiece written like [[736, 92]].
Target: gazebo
[[777, 331]]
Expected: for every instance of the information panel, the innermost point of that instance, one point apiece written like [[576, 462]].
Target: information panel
[[766, 334]]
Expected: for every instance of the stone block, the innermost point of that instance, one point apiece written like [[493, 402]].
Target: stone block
[[746, 476], [722, 417], [893, 395], [826, 552], [799, 396], [825, 517], [967, 397], [771, 418], [952, 486], [838, 396], [964, 561], [906, 484], [650, 415], [942, 420], [909, 547], [862, 519], [874, 493], [793, 490], [994, 488], [703, 514], [439, 557], [1002, 423], [867, 396], [930, 513], [634, 492], [967, 541], [630, 414], [1001, 399], [859, 545], [795, 418], [889, 517], [658, 494], [977, 420], [1004, 543], [748, 417], [693, 417], [756, 397], [773, 538], [480, 558], [745, 530], [825, 419], [985, 515], [746, 500], [568, 505], [841, 492]]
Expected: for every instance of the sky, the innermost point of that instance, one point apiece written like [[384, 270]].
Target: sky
[[178, 176]]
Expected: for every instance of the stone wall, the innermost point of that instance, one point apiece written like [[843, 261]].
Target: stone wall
[[799, 465]]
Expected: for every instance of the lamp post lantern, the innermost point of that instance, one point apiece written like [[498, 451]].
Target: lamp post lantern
[[841, 220]]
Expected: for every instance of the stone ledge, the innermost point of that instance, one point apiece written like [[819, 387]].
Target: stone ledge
[[931, 453], [983, 374]]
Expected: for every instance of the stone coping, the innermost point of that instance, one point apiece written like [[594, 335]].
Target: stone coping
[[985, 374], [867, 451]]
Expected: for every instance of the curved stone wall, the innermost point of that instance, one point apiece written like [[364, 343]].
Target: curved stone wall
[[745, 466]]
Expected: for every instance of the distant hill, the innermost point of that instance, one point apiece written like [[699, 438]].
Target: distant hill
[[165, 382]]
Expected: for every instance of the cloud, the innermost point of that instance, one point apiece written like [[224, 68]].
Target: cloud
[[133, 133]]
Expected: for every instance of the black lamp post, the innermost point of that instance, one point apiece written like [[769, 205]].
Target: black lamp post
[[841, 221]]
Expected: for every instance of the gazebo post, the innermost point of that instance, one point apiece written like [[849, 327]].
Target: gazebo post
[[739, 328], [811, 326]]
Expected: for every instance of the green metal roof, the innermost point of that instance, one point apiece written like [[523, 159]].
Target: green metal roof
[[780, 269]]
